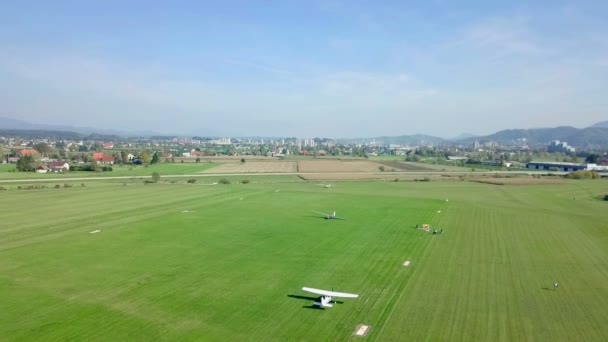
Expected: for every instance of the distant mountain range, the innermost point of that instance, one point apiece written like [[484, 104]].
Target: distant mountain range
[[603, 124], [417, 139], [594, 136], [12, 124]]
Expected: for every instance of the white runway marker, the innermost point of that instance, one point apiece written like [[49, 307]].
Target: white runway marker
[[362, 330]]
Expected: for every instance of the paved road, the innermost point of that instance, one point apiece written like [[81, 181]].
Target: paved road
[[417, 173]]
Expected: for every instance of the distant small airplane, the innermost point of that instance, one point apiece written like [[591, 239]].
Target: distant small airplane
[[327, 297], [327, 186], [331, 216]]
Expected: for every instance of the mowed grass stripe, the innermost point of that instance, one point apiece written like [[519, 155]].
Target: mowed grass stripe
[[109, 213], [225, 270], [493, 289]]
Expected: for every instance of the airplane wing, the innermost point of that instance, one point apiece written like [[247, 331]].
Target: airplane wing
[[320, 213], [330, 293]]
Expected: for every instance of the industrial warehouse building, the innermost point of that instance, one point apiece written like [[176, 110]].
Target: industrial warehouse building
[[567, 167]]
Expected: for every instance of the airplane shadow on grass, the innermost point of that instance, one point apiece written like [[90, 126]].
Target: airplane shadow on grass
[[313, 299], [324, 218], [312, 307], [317, 217]]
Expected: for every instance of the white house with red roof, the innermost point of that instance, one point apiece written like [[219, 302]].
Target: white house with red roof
[[59, 166], [102, 158], [106, 160]]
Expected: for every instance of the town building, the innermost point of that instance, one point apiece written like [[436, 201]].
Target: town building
[[560, 146]]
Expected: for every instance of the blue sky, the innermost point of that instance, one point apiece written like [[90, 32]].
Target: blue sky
[[305, 68]]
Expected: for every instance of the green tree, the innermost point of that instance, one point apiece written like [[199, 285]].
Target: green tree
[[242, 160], [94, 166], [118, 158], [145, 157], [123, 156], [2, 152], [155, 177], [26, 163], [43, 148], [592, 158], [155, 158], [97, 147], [60, 145]]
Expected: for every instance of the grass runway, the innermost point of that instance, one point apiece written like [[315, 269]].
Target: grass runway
[[233, 266]]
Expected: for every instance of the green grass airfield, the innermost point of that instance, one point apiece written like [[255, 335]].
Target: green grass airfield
[[232, 267], [7, 171]]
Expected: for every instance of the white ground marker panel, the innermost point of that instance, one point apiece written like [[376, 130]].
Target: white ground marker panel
[[362, 330]]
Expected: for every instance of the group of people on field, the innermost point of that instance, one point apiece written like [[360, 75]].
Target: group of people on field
[[435, 232], [427, 228]]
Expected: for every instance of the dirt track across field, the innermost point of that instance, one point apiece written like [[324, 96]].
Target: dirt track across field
[[315, 176], [517, 181]]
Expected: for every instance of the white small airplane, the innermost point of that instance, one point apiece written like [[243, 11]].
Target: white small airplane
[[327, 186], [327, 297], [331, 216]]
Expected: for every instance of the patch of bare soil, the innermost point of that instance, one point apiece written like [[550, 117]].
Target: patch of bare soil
[[404, 166], [338, 166], [254, 167]]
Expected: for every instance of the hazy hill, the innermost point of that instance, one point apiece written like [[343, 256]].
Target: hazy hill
[[585, 137], [595, 136], [12, 124], [464, 136], [411, 139], [533, 136], [40, 134], [602, 124]]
